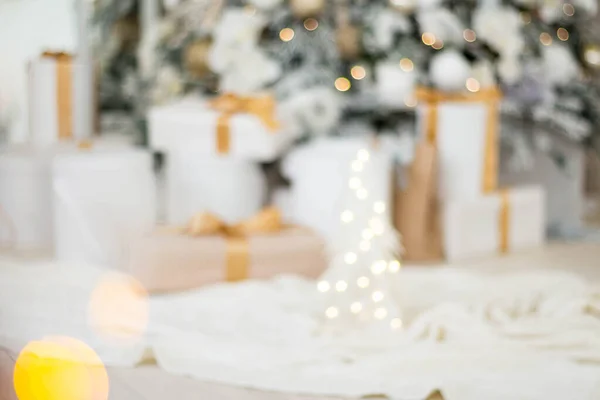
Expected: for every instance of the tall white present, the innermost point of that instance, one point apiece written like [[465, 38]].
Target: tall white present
[[238, 127], [319, 173], [103, 199], [231, 188], [59, 106], [25, 199], [508, 220], [464, 129]]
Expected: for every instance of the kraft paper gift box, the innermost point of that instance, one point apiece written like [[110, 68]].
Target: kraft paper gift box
[[59, 106], [241, 127], [509, 220], [170, 259], [464, 129], [416, 208]]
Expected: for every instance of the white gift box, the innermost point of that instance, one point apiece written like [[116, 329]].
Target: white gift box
[[464, 128], [563, 184], [504, 221], [25, 199], [58, 106], [319, 173], [231, 188], [192, 123], [103, 199]]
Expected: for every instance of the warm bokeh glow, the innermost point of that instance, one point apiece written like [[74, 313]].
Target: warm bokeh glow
[[343, 84], [119, 308], [592, 56], [358, 72], [562, 34], [438, 45], [428, 38], [568, 9], [469, 35], [406, 65], [473, 85], [311, 24], [60, 369], [287, 34], [545, 38]]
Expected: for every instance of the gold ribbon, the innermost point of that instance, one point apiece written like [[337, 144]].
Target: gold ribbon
[[238, 254], [230, 104], [504, 221], [64, 92], [491, 97]]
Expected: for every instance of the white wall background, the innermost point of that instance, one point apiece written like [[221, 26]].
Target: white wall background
[[27, 28]]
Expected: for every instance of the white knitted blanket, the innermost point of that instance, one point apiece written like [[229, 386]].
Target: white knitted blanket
[[527, 336]]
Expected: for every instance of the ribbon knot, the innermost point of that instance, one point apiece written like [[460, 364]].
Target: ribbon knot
[[237, 256], [267, 220], [229, 104], [58, 55]]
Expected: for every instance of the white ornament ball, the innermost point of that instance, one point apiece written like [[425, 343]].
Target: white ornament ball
[[560, 66], [394, 86], [449, 71]]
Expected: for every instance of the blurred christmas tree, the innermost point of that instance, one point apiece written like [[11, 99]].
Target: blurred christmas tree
[[360, 60]]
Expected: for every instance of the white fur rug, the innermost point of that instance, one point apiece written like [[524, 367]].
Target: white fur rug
[[530, 336]]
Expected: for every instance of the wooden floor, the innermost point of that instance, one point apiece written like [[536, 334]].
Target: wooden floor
[[150, 383]]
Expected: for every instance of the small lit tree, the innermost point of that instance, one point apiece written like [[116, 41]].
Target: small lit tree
[[358, 286]]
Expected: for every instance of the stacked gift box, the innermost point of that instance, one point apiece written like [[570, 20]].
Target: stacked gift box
[[219, 221], [64, 191], [95, 200], [452, 206]]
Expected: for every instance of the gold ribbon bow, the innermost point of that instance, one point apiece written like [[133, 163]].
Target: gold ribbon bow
[[58, 55], [238, 256], [491, 96], [64, 92], [230, 104]]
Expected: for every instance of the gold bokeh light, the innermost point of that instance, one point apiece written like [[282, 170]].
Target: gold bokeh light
[[119, 308], [469, 35], [406, 65], [342, 84], [562, 34], [568, 9], [287, 34], [358, 72], [428, 38], [473, 85], [545, 38], [60, 368], [310, 24]]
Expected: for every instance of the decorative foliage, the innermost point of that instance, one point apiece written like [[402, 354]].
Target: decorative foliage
[[533, 49]]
